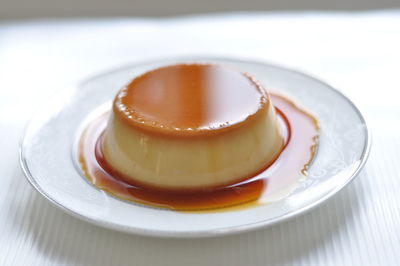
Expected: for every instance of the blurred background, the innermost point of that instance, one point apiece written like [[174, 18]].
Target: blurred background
[[27, 9]]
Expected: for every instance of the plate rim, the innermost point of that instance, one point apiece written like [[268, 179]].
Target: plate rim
[[209, 232]]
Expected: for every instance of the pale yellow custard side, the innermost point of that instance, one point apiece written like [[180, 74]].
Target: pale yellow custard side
[[193, 162]]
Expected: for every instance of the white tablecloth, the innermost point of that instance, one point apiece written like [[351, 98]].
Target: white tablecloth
[[358, 53]]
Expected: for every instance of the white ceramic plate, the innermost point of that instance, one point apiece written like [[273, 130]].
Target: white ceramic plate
[[47, 155]]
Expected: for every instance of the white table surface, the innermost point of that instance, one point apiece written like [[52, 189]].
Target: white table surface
[[358, 53]]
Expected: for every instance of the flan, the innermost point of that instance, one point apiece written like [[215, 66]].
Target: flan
[[191, 127]]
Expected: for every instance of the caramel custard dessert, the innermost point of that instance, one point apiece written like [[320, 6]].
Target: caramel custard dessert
[[196, 136], [191, 127]]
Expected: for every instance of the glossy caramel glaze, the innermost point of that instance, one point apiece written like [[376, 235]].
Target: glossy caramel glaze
[[190, 100], [270, 183]]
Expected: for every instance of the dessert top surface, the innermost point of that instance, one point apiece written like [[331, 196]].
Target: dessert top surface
[[190, 99]]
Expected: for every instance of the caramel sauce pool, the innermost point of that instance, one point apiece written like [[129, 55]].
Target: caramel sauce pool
[[271, 183]]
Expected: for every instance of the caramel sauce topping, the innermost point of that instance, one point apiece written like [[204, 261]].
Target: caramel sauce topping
[[190, 99]]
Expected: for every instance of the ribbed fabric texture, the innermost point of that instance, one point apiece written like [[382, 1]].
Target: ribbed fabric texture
[[356, 52]]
